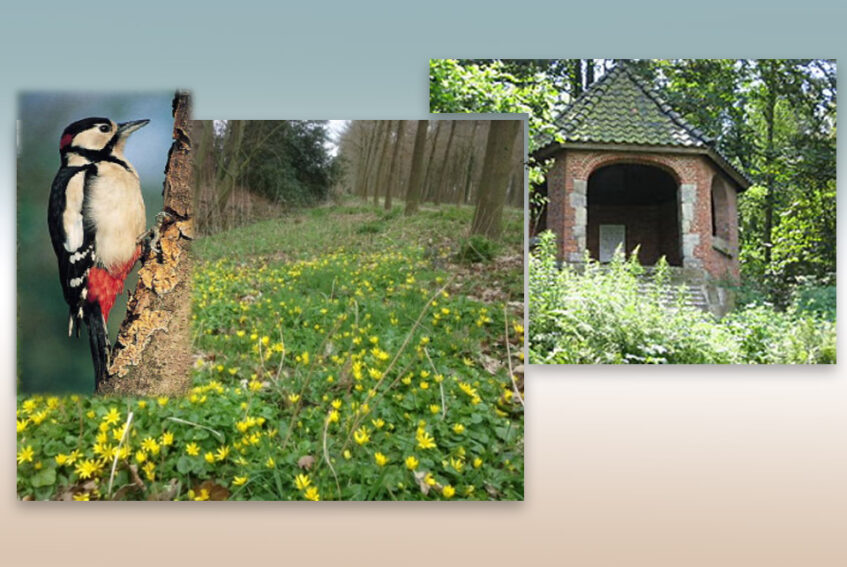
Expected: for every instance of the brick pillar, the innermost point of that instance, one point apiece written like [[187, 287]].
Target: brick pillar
[[556, 201]]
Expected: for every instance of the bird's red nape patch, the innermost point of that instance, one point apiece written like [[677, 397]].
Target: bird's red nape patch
[[65, 141], [104, 286]]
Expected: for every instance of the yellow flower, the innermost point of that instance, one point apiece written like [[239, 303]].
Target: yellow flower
[[222, 453], [204, 495], [162, 400], [150, 444], [87, 468], [305, 358], [457, 464], [91, 414], [458, 428], [425, 440], [429, 479], [210, 457], [140, 456], [333, 416], [112, 417], [380, 459], [142, 404], [61, 459], [25, 455], [270, 463], [361, 435], [81, 497], [448, 491], [477, 462], [411, 462], [378, 423], [347, 454], [336, 403], [167, 438], [293, 398], [434, 408], [301, 481], [148, 470], [22, 423], [192, 449], [312, 494], [239, 480]]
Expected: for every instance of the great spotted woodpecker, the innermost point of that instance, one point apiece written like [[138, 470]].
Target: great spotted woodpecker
[[96, 218]]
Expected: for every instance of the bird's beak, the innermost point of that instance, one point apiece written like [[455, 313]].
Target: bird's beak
[[127, 128]]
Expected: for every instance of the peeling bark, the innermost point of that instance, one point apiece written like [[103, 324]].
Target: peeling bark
[[152, 353]]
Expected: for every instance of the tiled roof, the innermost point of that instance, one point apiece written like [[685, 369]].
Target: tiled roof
[[621, 109]]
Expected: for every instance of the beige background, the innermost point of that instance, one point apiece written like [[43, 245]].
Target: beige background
[[676, 466]]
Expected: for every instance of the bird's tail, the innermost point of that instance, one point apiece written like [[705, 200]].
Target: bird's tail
[[98, 339]]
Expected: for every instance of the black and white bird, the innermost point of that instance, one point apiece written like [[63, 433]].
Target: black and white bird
[[96, 217]]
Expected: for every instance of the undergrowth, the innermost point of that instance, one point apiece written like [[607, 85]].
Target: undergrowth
[[360, 372], [615, 314]]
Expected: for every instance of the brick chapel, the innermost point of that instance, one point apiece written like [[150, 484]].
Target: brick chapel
[[629, 171]]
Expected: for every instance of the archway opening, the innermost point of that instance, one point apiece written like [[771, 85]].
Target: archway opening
[[633, 205]]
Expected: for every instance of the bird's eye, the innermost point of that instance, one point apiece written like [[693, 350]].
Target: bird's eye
[[105, 128]]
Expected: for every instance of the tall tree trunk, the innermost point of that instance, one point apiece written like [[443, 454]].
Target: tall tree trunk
[[427, 186], [466, 198], [227, 168], [445, 164], [360, 180], [769, 77], [152, 354], [413, 192], [381, 165], [395, 159], [496, 169]]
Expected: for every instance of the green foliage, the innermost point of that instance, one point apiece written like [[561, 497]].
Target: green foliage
[[616, 314], [477, 248], [314, 381], [287, 161]]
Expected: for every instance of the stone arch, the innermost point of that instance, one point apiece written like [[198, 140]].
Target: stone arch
[[669, 165], [635, 202]]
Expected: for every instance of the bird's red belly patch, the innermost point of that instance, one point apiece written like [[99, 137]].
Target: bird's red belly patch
[[104, 285]]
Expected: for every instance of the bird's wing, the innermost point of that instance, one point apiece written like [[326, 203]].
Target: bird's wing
[[72, 237]]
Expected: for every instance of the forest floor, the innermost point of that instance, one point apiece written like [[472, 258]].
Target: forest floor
[[342, 352]]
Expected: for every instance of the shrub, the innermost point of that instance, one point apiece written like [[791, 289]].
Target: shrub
[[477, 248]]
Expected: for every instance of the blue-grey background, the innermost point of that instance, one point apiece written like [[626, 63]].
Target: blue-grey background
[[625, 466], [42, 311]]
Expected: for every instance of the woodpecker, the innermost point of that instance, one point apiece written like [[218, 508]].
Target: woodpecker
[[97, 222]]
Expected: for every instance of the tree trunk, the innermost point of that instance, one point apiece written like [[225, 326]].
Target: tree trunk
[[383, 158], [152, 354], [770, 196], [496, 170], [395, 159], [445, 164], [413, 192], [427, 186], [227, 169]]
